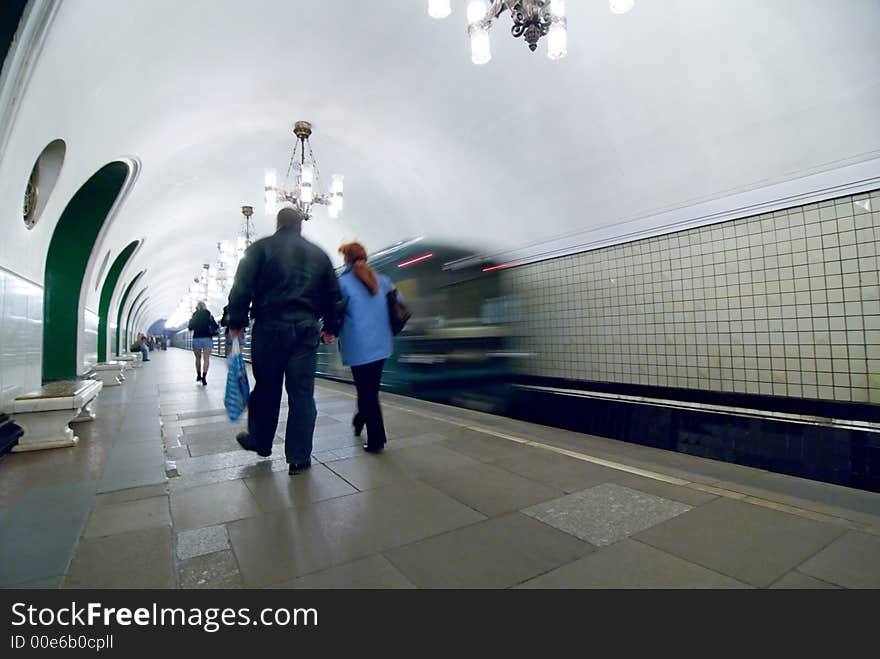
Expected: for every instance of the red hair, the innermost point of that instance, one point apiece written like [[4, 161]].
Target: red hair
[[356, 256]]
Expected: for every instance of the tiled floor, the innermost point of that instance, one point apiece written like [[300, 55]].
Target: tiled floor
[[158, 495]]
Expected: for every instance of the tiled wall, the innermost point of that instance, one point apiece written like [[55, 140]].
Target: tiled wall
[[111, 351], [21, 337], [785, 304], [89, 342]]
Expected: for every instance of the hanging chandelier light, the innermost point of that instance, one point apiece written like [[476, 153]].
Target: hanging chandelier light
[[532, 19], [300, 183]]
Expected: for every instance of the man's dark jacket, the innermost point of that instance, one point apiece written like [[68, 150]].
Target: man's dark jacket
[[288, 279]]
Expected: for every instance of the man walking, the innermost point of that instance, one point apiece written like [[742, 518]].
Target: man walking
[[291, 284]]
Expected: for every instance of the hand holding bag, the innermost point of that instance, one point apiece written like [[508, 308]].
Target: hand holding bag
[[398, 314], [237, 386]]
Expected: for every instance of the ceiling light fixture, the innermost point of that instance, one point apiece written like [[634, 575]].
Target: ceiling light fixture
[[305, 177], [532, 19]]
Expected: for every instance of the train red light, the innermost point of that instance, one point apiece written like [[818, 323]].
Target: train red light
[[415, 260]]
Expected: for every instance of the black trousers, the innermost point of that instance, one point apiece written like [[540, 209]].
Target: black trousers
[[366, 380], [288, 355]]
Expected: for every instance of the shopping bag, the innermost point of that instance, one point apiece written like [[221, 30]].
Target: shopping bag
[[237, 386]]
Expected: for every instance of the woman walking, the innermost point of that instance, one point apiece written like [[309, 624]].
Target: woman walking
[[203, 327], [365, 338]]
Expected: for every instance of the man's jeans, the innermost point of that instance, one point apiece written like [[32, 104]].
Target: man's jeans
[[279, 352]]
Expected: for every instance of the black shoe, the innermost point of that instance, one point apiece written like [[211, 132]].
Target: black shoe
[[198, 378], [358, 425], [204, 381], [244, 440], [372, 449], [297, 467]]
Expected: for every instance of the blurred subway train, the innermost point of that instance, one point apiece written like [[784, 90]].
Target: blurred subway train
[[468, 344], [455, 347]]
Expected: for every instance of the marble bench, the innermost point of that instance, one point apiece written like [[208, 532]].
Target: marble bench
[[133, 360], [111, 374], [44, 414]]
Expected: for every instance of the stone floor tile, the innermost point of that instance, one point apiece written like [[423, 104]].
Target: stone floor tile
[[631, 564], [428, 462], [137, 559], [750, 543], [679, 493], [496, 553], [207, 505], [798, 580], [277, 490], [606, 513], [204, 540], [558, 470], [277, 547], [851, 561], [110, 519], [494, 491], [210, 571], [373, 572], [365, 471], [133, 494]]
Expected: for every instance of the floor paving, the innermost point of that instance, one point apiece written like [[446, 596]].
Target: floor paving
[[158, 494]]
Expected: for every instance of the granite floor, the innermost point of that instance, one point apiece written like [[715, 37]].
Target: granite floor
[[158, 495]]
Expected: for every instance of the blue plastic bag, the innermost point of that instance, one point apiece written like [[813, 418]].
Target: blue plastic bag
[[237, 386]]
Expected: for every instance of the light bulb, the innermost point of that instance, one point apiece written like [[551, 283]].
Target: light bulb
[[270, 188], [557, 8], [336, 189], [621, 6], [307, 175], [480, 50], [557, 41], [439, 8], [476, 11]]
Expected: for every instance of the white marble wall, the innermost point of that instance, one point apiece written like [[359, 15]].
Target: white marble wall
[[89, 341], [21, 337], [111, 347]]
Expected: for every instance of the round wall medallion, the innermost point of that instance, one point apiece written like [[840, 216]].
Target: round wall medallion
[[41, 182]]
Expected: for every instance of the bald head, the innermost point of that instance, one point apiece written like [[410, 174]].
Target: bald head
[[291, 218]]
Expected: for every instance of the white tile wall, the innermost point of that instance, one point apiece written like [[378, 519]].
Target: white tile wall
[[89, 342], [786, 303], [21, 337]]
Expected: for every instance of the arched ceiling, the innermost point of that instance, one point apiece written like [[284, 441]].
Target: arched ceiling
[[675, 102]]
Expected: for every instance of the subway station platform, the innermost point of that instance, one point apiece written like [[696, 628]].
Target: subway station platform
[[157, 494]]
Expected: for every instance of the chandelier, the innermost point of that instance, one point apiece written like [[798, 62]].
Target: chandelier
[[212, 283], [532, 19], [300, 183], [231, 252]]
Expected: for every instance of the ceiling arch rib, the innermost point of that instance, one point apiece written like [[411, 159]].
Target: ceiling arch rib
[[107, 292], [121, 343]]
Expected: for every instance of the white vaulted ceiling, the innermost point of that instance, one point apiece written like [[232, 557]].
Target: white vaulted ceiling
[[676, 102]]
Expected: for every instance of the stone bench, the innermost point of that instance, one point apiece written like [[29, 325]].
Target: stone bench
[[133, 360], [111, 374], [44, 414]]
